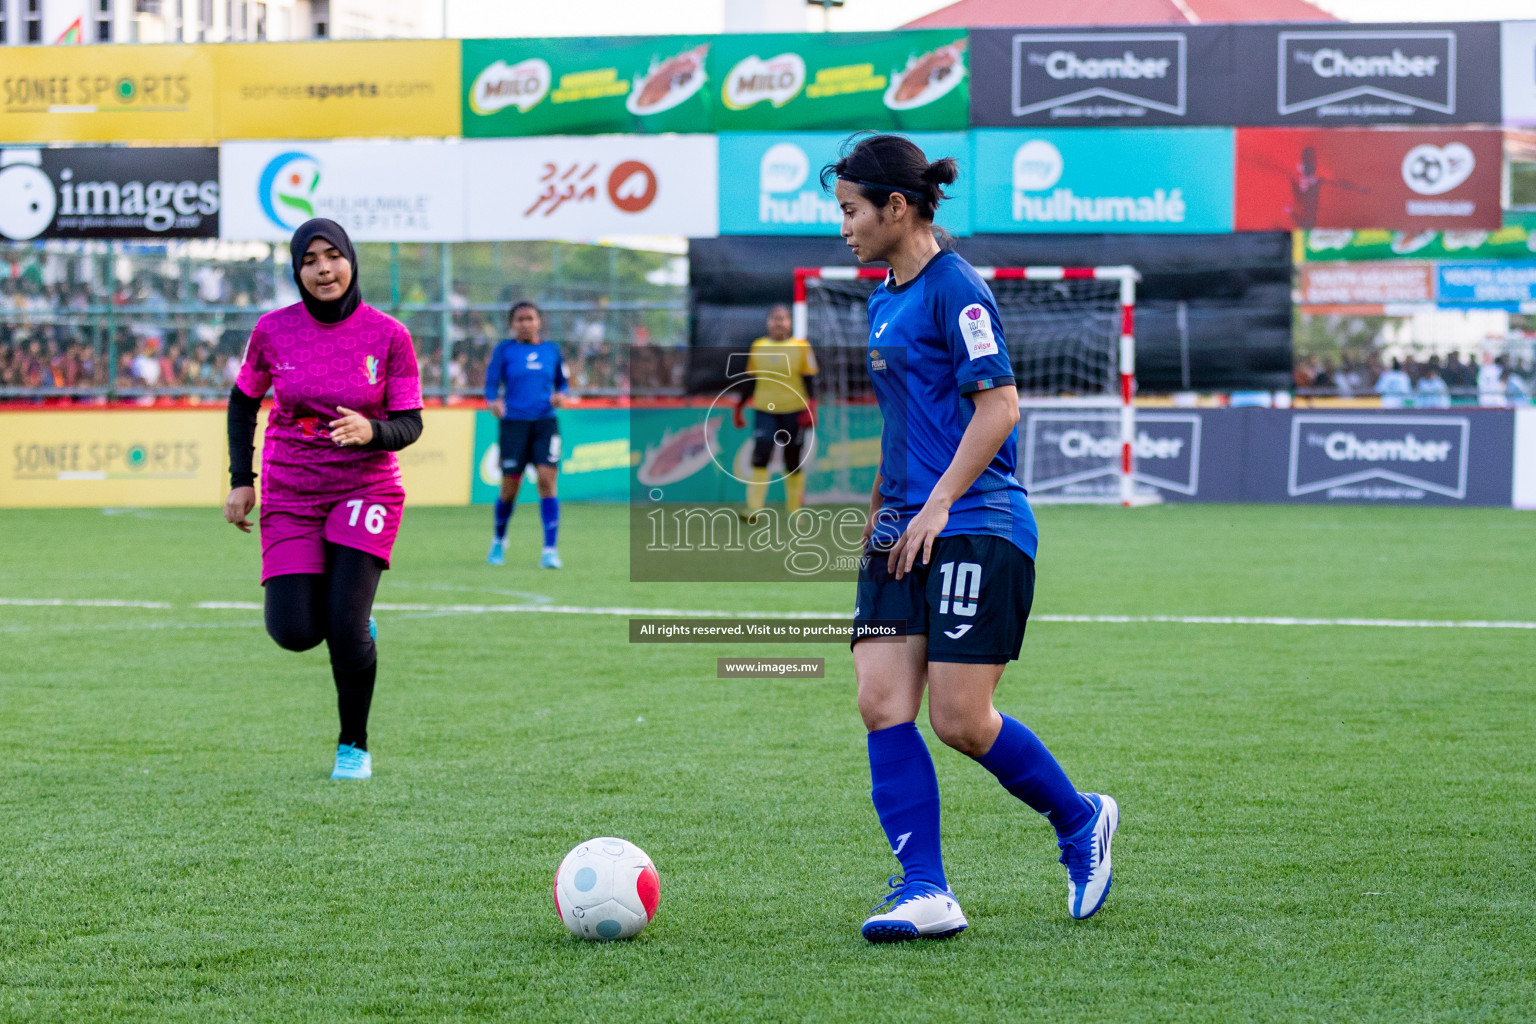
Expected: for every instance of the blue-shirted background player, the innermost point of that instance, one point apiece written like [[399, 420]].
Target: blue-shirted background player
[[524, 384], [952, 543]]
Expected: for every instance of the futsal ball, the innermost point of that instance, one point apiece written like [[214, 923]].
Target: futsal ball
[[606, 889]]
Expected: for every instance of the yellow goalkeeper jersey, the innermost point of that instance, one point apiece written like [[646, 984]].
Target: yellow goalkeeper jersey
[[780, 369]]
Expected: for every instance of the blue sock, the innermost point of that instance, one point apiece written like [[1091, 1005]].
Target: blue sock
[[503, 516], [549, 511], [1027, 770], [906, 795]]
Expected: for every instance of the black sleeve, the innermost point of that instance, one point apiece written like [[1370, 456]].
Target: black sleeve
[[744, 390], [242, 437], [400, 430], [809, 380]]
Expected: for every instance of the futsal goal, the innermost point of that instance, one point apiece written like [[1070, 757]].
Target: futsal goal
[[1070, 334]]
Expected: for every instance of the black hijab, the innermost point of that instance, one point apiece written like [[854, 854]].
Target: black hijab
[[335, 310]]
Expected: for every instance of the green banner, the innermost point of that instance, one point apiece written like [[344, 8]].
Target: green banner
[[695, 455], [1511, 242], [842, 81], [585, 86], [594, 458]]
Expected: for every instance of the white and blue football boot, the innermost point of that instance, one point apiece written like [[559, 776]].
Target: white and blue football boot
[[916, 910], [550, 559], [1086, 856], [352, 763], [498, 553]]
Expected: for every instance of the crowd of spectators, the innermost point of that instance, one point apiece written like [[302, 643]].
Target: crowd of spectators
[[1426, 384]]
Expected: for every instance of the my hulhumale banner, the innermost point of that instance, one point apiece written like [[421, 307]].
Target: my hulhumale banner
[[1134, 180], [585, 86], [772, 183], [876, 80]]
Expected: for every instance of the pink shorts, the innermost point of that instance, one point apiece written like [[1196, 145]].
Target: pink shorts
[[293, 541]]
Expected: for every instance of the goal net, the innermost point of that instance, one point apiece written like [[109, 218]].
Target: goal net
[[1069, 334]]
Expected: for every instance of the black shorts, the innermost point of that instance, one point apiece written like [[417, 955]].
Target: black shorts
[[525, 441], [767, 425], [971, 600]]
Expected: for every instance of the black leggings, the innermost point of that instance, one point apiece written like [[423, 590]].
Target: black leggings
[[302, 609]]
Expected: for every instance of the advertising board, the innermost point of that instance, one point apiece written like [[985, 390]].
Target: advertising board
[[579, 188], [585, 86], [1346, 284], [1510, 286], [1510, 242], [1141, 180], [105, 192], [107, 94], [380, 191], [774, 184], [1305, 178], [885, 81], [338, 89], [1357, 75], [1102, 77]]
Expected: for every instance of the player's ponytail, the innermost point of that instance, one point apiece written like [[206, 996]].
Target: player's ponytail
[[881, 165]]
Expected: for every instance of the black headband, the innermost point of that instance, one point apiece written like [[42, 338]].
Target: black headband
[[909, 193]]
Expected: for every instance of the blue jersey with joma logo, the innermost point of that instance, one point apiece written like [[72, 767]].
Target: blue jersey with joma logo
[[933, 343], [529, 372]]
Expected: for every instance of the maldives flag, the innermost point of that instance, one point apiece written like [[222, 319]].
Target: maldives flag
[[71, 36]]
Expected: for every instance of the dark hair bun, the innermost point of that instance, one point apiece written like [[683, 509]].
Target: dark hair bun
[[942, 172]]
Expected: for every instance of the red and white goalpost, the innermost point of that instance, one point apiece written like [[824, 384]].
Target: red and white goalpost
[[1071, 336]]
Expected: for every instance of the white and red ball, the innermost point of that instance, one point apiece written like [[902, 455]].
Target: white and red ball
[[606, 889]]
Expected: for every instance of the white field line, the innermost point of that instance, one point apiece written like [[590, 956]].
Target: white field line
[[566, 609], [67, 602]]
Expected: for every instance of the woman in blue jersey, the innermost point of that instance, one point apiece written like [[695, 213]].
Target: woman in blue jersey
[[951, 544], [524, 385]]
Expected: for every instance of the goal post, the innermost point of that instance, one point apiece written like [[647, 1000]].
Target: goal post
[[1071, 336]]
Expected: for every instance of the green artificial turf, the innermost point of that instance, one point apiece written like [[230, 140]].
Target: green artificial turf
[[1320, 823]]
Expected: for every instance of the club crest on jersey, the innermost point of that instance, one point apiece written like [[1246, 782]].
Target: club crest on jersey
[[876, 361], [371, 368], [976, 328]]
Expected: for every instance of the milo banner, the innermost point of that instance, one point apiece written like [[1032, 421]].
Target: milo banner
[[1511, 242], [594, 457], [841, 81], [585, 86]]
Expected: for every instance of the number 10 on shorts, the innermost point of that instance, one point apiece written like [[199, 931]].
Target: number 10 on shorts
[[961, 583], [373, 520]]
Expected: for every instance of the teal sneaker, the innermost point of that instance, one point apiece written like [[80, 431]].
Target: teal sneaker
[[550, 559], [352, 763], [373, 628], [498, 555]]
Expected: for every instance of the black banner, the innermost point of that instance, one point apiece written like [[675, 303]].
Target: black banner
[[1349, 456], [1101, 77], [1320, 74], [108, 192], [1367, 74]]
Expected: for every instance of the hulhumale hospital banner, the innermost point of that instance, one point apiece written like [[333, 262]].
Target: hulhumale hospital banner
[[585, 86], [773, 185], [1303, 178], [380, 191], [876, 80], [1129, 180]]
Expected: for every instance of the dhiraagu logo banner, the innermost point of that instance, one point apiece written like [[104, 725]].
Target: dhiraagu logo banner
[[770, 183], [1133, 180]]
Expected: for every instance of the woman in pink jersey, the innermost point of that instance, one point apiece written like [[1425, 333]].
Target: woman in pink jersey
[[346, 396]]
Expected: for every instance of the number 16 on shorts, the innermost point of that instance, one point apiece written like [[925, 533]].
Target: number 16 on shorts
[[367, 524]]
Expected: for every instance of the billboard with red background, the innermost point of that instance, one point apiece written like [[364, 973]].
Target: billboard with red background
[[1304, 178]]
